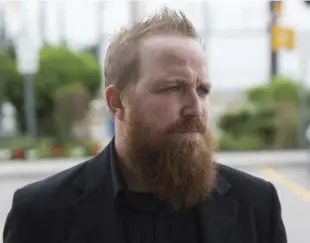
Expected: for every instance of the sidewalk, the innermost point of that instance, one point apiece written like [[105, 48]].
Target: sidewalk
[[234, 159]]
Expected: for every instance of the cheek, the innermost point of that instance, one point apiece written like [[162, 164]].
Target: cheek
[[206, 111], [160, 112], [206, 106]]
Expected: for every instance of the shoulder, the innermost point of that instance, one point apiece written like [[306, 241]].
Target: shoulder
[[247, 188], [239, 177], [38, 205], [61, 189], [258, 200], [45, 191]]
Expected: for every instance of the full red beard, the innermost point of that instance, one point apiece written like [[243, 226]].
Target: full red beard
[[180, 171]]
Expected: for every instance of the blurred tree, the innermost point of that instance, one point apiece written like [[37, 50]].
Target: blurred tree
[[8, 72], [259, 95], [285, 89], [93, 50], [286, 125], [280, 89], [12, 52], [71, 106], [59, 66], [11, 49], [236, 123], [272, 117], [243, 142], [248, 125]]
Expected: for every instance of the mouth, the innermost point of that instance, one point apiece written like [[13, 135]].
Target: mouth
[[188, 131]]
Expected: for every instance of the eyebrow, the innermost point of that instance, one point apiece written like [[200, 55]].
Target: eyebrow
[[181, 81]]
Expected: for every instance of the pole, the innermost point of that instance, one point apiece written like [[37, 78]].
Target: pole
[[273, 53], [3, 28], [29, 106], [133, 11], [137, 10], [62, 21], [28, 49], [101, 39], [100, 44], [303, 107], [101, 54], [42, 19], [99, 29], [2, 49], [2, 24], [206, 23]]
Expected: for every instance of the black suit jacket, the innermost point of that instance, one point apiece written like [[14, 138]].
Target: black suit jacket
[[78, 206]]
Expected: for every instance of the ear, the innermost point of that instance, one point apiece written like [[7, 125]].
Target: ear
[[114, 103]]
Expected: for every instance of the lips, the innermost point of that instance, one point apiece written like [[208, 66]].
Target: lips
[[188, 131]]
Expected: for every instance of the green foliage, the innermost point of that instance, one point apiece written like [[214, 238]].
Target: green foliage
[[71, 105], [287, 125], [243, 142], [259, 95], [247, 129], [270, 123], [249, 121], [43, 149], [8, 72], [233, 123], [22, 143], [59, 67], [280, 89], [285, 90]]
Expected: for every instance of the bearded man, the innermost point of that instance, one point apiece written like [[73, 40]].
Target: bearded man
[[157, 180]]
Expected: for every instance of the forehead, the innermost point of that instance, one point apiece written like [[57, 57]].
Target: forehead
[[163, 53]]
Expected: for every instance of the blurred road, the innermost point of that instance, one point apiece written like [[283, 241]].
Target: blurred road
[[293, 185]]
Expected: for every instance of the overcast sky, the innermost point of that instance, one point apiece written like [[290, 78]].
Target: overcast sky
[[237, 45]]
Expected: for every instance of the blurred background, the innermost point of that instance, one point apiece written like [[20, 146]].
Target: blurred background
[[52, 109]]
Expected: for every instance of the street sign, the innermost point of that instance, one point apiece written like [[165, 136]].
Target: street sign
[[282, 38]]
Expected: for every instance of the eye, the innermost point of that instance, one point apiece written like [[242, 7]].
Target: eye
[[174, 89], [202, 91]]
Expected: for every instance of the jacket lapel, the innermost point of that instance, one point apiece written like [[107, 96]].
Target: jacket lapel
[[218, 216], [97, 218]]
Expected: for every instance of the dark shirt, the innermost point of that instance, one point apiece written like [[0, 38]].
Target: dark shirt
[[146, 219]]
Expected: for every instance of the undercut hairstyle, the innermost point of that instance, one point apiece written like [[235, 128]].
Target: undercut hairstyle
[[121, 66]]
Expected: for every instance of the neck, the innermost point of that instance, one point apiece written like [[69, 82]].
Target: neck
[[133, 181], [132, 178]]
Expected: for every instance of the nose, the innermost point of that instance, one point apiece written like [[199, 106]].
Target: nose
[[192, 105]]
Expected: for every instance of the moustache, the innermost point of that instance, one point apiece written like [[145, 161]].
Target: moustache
[[188, 124]]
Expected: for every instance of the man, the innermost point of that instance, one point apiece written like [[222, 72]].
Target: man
[[157, 180]]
